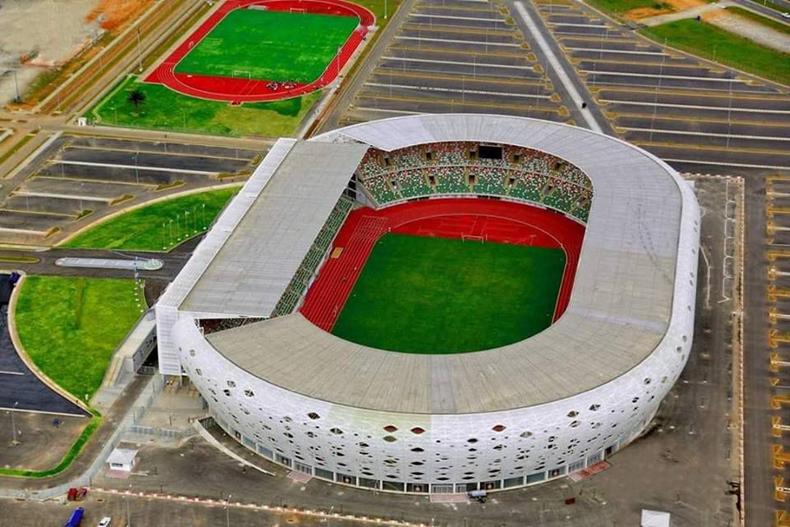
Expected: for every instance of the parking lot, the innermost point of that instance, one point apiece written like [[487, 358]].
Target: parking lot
[[457, 56], [697, 116], [777, 352], [77, 179]]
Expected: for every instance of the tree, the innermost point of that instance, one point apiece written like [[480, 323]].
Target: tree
[[136, 97]]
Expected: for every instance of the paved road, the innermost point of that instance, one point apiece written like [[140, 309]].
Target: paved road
[[766, 11], [20, 389]]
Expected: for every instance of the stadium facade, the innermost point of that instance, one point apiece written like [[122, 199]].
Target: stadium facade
[[521, 414]]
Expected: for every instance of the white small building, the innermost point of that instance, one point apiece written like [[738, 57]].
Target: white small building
[[123, 459], [654, 518]]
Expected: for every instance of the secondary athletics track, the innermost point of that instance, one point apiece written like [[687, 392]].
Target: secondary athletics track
[[475, 219], [237, 90]]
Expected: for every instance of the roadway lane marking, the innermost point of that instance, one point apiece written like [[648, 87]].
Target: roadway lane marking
[[459, 63], [626, 51], [456, 41], [723, 164], [655, 76], [450, 17], [709, 134], [695, 106], [453, 90], [4, 372], [136, 167], [557, 67]]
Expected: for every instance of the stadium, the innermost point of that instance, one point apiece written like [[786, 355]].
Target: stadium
[[440, 303]]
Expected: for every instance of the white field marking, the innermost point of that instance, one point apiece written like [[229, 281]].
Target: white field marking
[[656, 76], [555, 64], [456, 41], [4, 372], [451, 17], [626, 51], [26, 193], [138, 167], [723, 164], [696, 106], [459, 63], [708, 134], [453, 90]]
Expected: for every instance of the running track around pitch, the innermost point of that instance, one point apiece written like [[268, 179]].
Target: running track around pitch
[[239, 90], [491, 220]]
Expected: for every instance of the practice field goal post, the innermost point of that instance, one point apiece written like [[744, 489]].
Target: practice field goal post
[[473, 238], [298, 10], [242, 74]]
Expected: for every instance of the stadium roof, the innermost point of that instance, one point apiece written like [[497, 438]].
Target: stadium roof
[[640, 224], [263, 244]]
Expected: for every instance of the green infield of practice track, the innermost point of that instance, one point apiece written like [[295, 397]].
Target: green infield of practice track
[[70, 327], [269, 45], [154, 227], [434, 295], [164, 109]]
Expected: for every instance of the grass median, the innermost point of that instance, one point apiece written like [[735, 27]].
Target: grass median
[[70, 327], [164, 109], [157, 227], [718, 45]]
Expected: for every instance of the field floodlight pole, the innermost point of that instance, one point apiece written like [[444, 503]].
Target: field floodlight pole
[[227, 510]]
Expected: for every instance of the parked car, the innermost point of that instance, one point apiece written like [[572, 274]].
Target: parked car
[[105, 522]]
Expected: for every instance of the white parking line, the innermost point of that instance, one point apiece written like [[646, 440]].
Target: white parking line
[[723, 164], [569, 24], [137, 167], [33, 194], [624, 51], [456, 90], [657, 76], [555, 64], [696, 106], [459, 63], [386, 110], [450, 17], [22, 231], [456, 41], [708, 134], [3, 372]]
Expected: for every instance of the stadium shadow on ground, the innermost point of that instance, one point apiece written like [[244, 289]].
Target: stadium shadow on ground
[[436, 295]]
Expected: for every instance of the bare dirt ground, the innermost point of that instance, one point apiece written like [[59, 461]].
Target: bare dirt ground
[[43, 439], [669, 6], [55, 29], [112, 14]]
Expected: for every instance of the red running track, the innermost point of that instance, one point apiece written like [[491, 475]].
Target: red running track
[[238, 90], [491, 220]]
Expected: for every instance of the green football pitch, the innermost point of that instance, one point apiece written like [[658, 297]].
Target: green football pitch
[[269, 45], [435, 295]]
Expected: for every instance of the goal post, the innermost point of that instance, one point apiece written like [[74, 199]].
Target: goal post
[[297, 10], [473, 238]]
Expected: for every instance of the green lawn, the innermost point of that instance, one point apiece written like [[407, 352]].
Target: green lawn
[[269, 45], [164, 109], [708, 41], [435, 295], [70, 327], [154, 227]]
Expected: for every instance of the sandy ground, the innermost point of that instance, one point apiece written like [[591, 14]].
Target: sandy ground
[[42, 439], [56, 28], [671, 6], [750, 29]]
